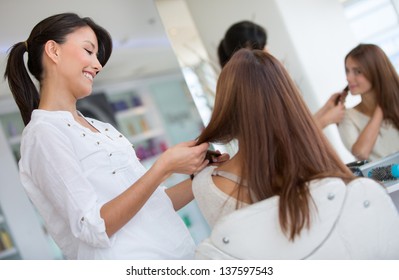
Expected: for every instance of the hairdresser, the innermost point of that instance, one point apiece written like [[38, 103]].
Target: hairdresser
[[96, 198]]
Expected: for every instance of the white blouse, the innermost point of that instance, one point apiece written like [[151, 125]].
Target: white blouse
[[353, 124], [70, 172]]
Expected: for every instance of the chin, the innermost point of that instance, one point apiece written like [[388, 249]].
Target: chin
[[83, 95]]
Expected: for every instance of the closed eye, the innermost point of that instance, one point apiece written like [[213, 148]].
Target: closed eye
[[89, 52]]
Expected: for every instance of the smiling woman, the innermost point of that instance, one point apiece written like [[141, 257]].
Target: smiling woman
[[96, 198], [49, 62]]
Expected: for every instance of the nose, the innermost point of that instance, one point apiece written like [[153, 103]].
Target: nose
[[97, 65], [349, 76]]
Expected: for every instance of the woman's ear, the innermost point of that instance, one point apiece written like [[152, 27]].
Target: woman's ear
[[51, 49]]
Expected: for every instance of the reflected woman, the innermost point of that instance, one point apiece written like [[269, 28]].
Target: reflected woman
[[370, 130]]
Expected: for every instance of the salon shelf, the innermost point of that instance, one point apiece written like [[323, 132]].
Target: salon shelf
[[131, 112], [6, 254], [138, 119], [153, 133]]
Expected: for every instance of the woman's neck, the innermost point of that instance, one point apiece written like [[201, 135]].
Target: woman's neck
[[368, 104], [233, 165], [57, 101]]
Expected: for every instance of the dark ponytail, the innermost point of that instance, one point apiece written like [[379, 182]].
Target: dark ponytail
[[222, 55], [24, 91], [55, 28], [243, 34]]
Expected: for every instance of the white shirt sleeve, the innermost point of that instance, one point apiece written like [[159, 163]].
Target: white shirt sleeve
[[55, 170]]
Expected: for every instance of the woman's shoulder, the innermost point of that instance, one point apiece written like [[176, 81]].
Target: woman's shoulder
[[42, 120], [204, 174], [48, 127], [203, 181], [356, 113], [353, 118]]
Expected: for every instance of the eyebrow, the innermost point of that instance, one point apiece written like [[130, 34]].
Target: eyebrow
[[87, 41]]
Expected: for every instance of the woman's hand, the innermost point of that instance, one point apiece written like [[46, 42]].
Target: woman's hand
[[335, 114], [219, 159], [185, 158], [333, 110]]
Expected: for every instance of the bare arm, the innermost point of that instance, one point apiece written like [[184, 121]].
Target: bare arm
[[183, 158], [364, 144], [182, 193]]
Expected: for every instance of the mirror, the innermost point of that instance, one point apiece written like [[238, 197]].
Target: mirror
[[293, 38]]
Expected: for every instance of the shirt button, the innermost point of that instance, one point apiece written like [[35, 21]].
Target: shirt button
[[113, 172], [120, 136], [225, 240]]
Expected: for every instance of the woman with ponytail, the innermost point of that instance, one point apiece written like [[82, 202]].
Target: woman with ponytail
[[97, 200]]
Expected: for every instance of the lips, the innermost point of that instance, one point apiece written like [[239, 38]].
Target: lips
[[88, 76]]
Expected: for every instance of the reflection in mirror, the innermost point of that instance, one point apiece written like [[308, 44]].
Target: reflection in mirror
[[374, 23], [197, 32]]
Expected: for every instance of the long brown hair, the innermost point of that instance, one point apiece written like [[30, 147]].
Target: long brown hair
[[282, 148], [56, 28], [379, 71]]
